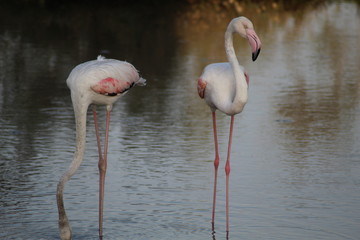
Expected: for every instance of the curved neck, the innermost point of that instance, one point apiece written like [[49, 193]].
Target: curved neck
[[80, 118], [241, 93]]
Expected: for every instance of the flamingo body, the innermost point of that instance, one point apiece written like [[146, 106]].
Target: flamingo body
[[102, 81], [220, 94], [98, 82]]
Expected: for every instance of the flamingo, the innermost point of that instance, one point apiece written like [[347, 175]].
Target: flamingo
[[224, 86], [98, 82]]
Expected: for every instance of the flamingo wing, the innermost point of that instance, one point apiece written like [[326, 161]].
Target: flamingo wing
[[201, 87]]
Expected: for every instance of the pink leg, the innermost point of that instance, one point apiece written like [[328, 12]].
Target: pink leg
[[102, 169], [216, 165], [97, 133], [227, 171], [102, 166]]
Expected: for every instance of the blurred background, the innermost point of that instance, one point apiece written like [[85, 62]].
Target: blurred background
[[296, 146]]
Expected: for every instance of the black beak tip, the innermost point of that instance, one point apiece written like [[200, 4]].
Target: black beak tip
[[255, 54]]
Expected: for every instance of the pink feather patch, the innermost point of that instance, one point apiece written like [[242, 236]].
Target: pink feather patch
[[110, 86], [201, 88]]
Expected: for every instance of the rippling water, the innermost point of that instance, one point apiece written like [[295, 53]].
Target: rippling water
[[295, 158]]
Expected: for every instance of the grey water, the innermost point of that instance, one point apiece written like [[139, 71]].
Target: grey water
[[295, 165]]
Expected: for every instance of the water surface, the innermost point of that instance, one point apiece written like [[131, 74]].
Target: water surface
[[295, 158]]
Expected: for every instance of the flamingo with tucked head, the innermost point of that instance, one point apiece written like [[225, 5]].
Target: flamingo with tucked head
[[98, 82], [224, 86]]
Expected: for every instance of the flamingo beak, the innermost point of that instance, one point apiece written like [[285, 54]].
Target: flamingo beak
[[255, 54], [254, 42]]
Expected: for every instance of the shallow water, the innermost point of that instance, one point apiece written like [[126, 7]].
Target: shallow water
[[295, 158]]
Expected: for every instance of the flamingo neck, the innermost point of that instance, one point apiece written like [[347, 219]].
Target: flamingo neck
[[241, 86], [80, 119]]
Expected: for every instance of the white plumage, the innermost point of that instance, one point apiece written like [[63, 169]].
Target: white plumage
[[84, 77], [215, 88]]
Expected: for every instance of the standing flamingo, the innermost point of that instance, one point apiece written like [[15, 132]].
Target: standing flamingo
[[224, 86], [98, 82]]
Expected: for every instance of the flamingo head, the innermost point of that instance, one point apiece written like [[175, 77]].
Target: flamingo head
[[245, 28]]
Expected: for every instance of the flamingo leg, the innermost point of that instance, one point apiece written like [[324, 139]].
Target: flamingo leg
[[227, 172], [102, 166], [97, 132], [216, 165]]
